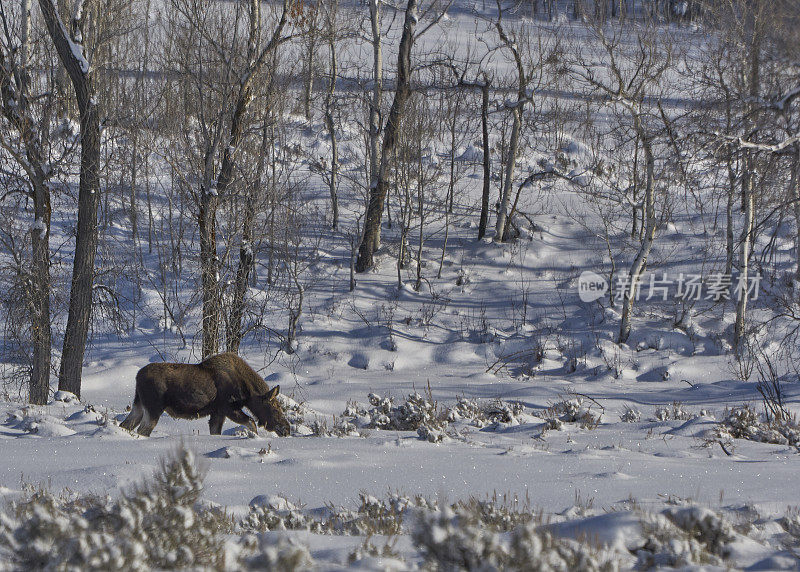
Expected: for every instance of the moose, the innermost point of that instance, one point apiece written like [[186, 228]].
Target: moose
[[219, 386]]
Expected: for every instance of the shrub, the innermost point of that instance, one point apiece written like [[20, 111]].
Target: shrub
[[416, 413], [630, 415], [158, 524], [483, 414], [744, 422], [454, 538], [268, 552], [684, 536], [673, 412], [571, 411], [532, 549], [372, 517]]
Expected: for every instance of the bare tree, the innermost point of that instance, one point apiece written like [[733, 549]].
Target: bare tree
[[375, 105], [23, 140], [379, 185], [742, 66], [517, 108], [68, 41], [221, 85], [481, 81], [246, 256], [331, 32], [310, 22], [632, 79], [532, 57]]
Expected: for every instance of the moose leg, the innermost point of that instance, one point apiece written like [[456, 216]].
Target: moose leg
[[239, 416], [149, 422], [135, 416], [215, 423]]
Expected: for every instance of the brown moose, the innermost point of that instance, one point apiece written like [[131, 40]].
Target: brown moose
[[219, 386]]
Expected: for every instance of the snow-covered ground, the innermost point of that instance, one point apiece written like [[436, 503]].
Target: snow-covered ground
[[518, 386], [671, 391]]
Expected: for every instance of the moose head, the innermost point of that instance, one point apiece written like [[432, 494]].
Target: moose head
[[269, 411]]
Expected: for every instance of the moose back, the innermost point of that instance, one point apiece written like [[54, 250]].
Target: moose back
[[220, 386]]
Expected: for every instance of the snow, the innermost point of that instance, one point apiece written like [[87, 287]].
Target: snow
[[537, 401], [75, 46], [40, 226], [471, 154]]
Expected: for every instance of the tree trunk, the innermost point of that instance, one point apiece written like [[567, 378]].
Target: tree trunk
[[14, 106], [421, 215], [511, 162], [210, 265], [294, 313], [748, 198], [329, 124], [308, 86], [794, 194], [25, 45], [71, 54], [730, 199], [234, 334], [375, 113], [487, 164], [745, 247], [209, 270], [649, 231], [516, 129], [40, 294], [377, 195]]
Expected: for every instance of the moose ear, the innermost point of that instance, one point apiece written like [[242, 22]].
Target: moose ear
[[273, 393]]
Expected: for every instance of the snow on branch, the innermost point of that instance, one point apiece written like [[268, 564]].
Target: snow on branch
[[767, 147], [50, 9]]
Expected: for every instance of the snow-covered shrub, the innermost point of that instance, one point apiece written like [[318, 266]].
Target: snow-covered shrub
[[369, 550], [294, 412], [40, 532], [572, 411], [374, 516], [467, 409], [342, 427], [744, 422], [481, 414], [157, 525], [454, 538], [431, 435], [684, 536], [495, 514], [630, 415], [269, 552], [269, 517], [416, 413], [704, 525], [498, 411], [673, 412], [532, 549], [669, 546], [791, 524]]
